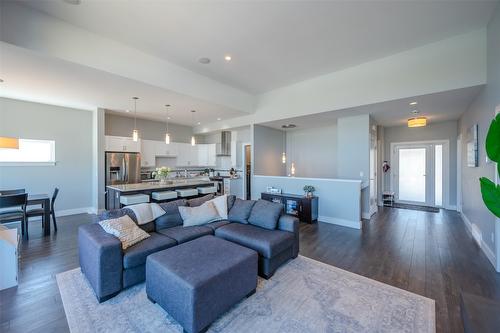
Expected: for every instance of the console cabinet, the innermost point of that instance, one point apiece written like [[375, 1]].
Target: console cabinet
[[305, 208]]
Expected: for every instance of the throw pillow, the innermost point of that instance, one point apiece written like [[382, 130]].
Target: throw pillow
[[199, 215], [146, 212], [125, 229], [230, 201], [195, 202], [265, 214], [172, 218], [220, 204], [240, 211]]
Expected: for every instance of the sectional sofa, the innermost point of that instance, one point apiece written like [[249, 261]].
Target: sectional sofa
[[109, 269]]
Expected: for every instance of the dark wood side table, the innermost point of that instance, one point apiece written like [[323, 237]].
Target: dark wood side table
[[44, 200], [305, 208]]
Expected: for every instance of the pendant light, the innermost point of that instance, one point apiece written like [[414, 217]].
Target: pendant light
[[167, 135], [193, 140], [135, 132], [283, 155]]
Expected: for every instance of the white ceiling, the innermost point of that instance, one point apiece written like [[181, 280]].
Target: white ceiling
[[30, 76], [438, 107], [273, 44]]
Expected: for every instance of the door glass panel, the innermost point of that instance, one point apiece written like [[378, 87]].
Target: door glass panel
[[412, 174], [438, 171]]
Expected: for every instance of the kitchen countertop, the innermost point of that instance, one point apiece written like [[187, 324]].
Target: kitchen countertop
[[156, 186]]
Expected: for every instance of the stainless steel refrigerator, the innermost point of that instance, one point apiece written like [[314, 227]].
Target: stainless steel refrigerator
[[123, 168]]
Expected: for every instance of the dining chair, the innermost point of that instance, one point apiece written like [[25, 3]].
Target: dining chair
[[41, 211], [9, 192], [13, 208]]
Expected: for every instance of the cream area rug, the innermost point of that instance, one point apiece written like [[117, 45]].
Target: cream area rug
[[304, 295]]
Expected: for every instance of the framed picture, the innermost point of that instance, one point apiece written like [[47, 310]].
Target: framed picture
[[472, 147]]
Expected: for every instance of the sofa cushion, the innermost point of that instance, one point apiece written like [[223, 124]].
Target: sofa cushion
[[184, 234], [136, 255], [240, 212], [267, 242], [265, 214], [195, 202], [217, 224], [172, 217]]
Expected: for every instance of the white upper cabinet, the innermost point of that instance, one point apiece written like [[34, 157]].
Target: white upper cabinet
[[212, 159], [121, 143], [148, 153], [164, 150], [200, 155]]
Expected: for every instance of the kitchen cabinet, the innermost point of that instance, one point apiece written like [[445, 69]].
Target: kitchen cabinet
[[200, 155], [164, 150], [148, 153], [121, 143]]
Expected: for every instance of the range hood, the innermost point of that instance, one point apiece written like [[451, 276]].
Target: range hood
[[224, 147]]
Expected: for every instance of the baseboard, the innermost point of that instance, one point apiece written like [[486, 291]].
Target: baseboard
[[74, 211], [478, 238], [366, 216], [341, 222], [451, 207]]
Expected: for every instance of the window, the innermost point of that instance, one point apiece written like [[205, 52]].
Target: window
[[30, 152]]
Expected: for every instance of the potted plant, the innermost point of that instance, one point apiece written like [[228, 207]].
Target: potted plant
[[161, 174], [489, 190], [309, 190]]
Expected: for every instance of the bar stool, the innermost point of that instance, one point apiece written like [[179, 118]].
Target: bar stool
[[187, 192], [165, 195], [207, 190], [133, 199]]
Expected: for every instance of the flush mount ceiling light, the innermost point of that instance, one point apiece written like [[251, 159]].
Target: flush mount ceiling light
[[9, 143], [204, 60], [135, 132], [417, 122], [73, 2], [219, 119], [167, 135], [413, 103], [227, 57]]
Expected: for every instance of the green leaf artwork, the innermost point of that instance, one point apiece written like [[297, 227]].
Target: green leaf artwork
[[489, 190]]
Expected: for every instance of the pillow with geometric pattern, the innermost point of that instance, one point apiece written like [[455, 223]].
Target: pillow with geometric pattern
[[125, 230]]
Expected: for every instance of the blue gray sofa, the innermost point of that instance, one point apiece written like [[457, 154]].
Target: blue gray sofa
[[109, 269]]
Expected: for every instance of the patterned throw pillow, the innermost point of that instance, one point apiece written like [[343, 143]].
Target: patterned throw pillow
[[125, 229]]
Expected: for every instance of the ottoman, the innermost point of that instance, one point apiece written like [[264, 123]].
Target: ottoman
[[198, 281]]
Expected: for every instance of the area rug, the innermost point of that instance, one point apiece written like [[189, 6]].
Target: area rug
[[303, 296], [416, 207]]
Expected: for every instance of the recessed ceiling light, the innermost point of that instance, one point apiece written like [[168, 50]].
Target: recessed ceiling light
[[168, 118], [1, 80], [415, 112], [227, 57], [288, 126], [127, 110], [204, 61], [413, 103], [219, 119], [199, 123]]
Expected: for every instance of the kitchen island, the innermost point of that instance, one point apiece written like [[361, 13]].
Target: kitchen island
[[114, 192]]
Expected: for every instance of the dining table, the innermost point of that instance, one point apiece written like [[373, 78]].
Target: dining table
[[44, 201]]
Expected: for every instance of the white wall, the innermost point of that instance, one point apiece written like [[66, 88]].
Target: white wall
[[239, 135], [339, 200], [433, 131], [313, 150], [148, 129], [481, 112], [71, 129]]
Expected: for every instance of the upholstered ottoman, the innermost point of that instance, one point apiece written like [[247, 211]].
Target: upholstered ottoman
[[198, 281]]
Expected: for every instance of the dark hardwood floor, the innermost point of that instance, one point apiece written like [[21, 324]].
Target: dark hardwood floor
[[431, 254]]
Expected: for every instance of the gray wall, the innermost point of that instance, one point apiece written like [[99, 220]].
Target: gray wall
[[71, 130], [481, 112], [268, 148], [314, 151], [433, 131], [353, 147], [240, 135], [148, 129]]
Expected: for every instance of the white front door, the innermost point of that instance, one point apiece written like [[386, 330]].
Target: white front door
[[419, 173]]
